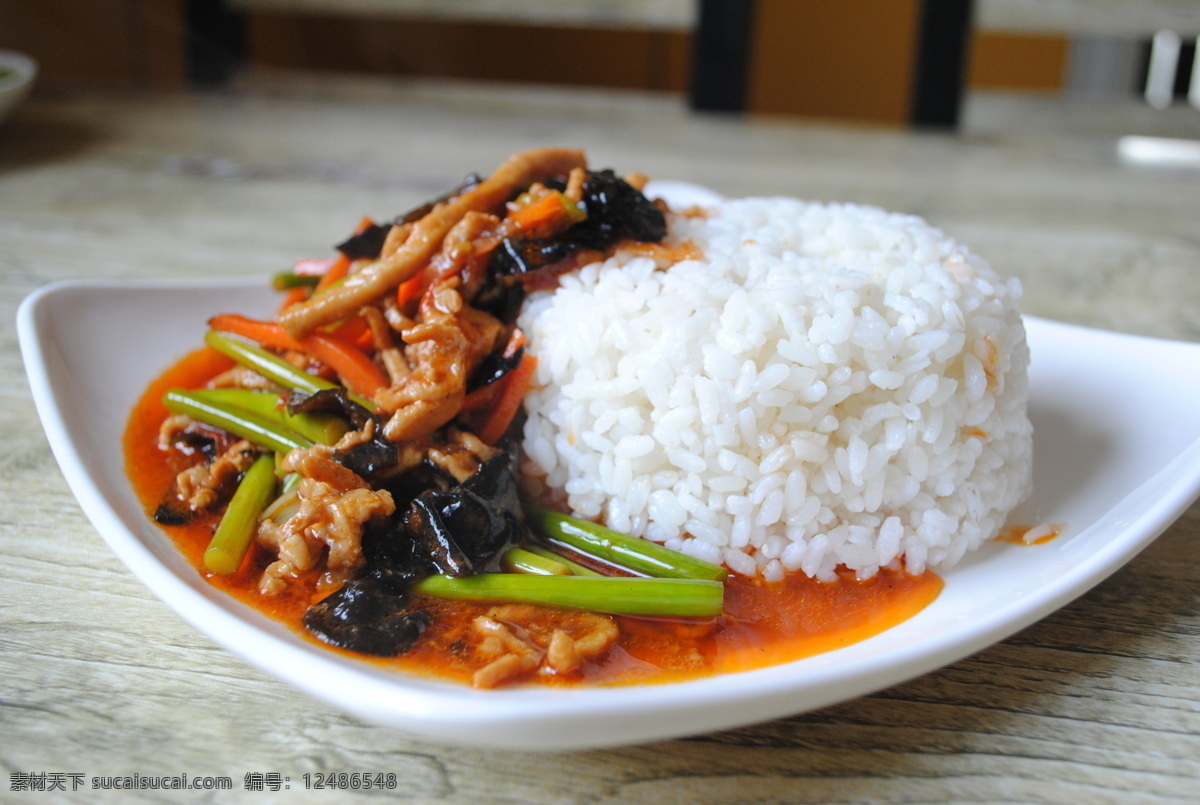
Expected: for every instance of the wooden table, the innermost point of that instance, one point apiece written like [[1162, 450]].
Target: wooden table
[[1098, 703]]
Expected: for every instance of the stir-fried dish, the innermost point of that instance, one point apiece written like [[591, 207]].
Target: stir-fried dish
[[350, 466]]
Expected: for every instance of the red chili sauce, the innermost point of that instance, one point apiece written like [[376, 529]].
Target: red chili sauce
[[763, 624]]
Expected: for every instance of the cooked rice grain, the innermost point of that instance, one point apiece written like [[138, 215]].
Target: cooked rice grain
[[830, 385]]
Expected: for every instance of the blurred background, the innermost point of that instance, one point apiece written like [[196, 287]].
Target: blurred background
[[887, 62]]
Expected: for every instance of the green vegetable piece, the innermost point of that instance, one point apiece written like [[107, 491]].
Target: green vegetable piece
[[519, 560], [320, 428], [273, 367], [575, 568], [636, 554], [236, 529], [618, 595], [290, 481], [574, 211], [238, 421], [287, 280], [267, 364]]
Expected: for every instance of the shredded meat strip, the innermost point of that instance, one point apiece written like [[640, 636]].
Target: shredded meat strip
[[326, 517], [203, 484], [575, 181], [637, 181], [317, 463], [395, 238], [524, 638], [377, 278], [335, 505], [385, 347], [462, 455], [171, 428], [466, 250], [444, 347], [240, 377]]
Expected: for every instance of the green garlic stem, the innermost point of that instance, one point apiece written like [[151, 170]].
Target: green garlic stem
[[238, 524], [519, 560], [319, 428], [636, 554], [287, 280], [575, 568], [267, 364], [618, 595], [238, 421]]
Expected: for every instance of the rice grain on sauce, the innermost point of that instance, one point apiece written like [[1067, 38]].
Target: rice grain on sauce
[[828, 384]]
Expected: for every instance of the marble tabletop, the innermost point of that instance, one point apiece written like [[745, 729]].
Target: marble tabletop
[[1099, 702]]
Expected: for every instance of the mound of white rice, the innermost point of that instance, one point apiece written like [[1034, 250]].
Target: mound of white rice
[[828, 385]]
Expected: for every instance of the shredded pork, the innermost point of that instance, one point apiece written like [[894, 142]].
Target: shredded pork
[[519, 639], [239, 377], [461, 456], [202, 485], [444, 347], [171, 429], [334, 507]]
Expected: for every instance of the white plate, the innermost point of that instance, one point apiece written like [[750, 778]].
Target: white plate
[[1117, 460]]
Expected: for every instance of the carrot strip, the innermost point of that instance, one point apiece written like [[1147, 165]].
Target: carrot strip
[[545, 212], [357, 371], [337, 271], [536, 212], [515, 342], [266, 333], [410, 289], [351, 329], [516, 383], [481, 397], [294, 296]]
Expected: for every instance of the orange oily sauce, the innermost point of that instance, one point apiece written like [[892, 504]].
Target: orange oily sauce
[[763, 624], [1030, 534]]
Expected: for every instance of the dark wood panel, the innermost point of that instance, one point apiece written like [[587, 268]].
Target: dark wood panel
[[629, 59]]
